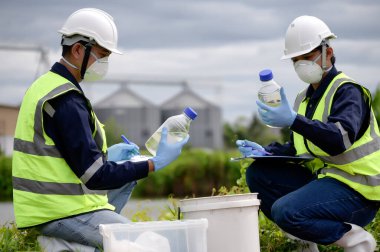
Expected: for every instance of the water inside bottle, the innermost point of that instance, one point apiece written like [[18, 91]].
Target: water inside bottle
[[272, 99], [173, 137]]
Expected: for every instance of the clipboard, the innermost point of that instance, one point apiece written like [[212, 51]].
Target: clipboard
[[293, 159], [137, 158]]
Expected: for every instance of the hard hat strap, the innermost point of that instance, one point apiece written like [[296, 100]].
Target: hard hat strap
[[86, 56], [324, 46]]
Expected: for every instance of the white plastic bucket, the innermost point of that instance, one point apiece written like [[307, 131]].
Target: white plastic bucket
[[232, 221]]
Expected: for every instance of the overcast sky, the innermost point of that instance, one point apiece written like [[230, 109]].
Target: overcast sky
[[218, 46]]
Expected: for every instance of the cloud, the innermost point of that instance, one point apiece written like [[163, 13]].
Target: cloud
[[167, 23], [218, 46]]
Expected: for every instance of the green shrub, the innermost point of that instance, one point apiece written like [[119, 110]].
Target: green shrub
[[195, 173], [5, 178]]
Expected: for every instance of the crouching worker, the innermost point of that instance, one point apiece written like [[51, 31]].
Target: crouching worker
[[330, 199], [65, 180]]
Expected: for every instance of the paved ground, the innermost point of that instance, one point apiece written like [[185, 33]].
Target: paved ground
[[6, 213], [153, 209]]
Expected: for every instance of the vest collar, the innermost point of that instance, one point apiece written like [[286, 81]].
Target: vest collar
[[317, 94], [61, 70]]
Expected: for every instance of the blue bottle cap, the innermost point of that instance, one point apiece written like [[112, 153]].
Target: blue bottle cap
[[190, 113], [266, 75]]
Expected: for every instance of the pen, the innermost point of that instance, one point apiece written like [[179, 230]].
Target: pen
[[125, 139]]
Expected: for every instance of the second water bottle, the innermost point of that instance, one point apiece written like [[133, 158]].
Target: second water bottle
[[178, 128]]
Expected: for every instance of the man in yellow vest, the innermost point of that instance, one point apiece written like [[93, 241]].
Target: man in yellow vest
[[330, 199], [65, 180]]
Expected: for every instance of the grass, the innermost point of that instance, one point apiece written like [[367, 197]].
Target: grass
[[13, 239], [272, 239]]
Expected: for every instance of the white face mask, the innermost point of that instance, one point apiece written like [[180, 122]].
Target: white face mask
[[97, 70], [308, 70]]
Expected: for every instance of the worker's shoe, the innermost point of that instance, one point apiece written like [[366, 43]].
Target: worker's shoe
[[302, 245], [52, 244], [357, 240]]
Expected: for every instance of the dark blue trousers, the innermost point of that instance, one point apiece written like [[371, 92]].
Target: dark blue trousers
[[312, 209]]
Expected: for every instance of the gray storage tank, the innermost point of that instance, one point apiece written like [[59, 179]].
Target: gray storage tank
[[137, 116]]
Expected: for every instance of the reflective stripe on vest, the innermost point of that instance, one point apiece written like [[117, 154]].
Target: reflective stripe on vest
[[40, 187], [41, 177], [358, 165]]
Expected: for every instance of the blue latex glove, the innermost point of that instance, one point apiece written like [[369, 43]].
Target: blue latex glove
[[281, 116], [167, 153], [122, 151], [248, 148]]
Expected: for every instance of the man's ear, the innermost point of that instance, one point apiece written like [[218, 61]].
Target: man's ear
[[329, 52], [77, 51]]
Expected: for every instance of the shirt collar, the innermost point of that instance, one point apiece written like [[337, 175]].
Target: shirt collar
[[316, 94], [60, 69]]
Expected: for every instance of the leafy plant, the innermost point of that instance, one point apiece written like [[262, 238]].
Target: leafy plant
[[13, 239], [171, 210], [5, 178]]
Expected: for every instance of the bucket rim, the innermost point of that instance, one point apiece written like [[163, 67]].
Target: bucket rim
[[216, 197], [210, 203]]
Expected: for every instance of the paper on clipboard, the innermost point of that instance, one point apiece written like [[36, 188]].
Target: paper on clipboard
[[137, 158]]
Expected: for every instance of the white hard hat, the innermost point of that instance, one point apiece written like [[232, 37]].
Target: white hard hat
[[94, 24], [304, 34]]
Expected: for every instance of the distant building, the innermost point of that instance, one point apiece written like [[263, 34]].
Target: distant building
[[206, 130], [8, 120], [138, 117]]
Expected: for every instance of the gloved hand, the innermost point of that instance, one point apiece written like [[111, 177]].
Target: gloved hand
[[248, 148], [122, 151], [167, 153], [281, 116]]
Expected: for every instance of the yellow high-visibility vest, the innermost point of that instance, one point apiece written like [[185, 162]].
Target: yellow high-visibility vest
[[359, 165], [44, 186]]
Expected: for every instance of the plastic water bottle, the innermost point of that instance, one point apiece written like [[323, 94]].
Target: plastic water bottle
[[178, 128], [269, 93]]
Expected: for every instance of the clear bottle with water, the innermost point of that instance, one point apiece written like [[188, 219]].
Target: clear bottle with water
[[269, 93], [178, 128]]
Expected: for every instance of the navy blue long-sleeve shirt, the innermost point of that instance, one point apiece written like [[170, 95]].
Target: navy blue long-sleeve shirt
[[71, 130], [350, 108]]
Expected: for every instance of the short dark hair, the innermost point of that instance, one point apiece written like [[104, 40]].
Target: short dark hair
[[67, 48]]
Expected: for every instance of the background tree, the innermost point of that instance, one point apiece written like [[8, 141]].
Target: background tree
[[235, 131], [253, 130], [113, 131]]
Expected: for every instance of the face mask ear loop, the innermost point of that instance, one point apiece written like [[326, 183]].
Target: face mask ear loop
[[85, 60]]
